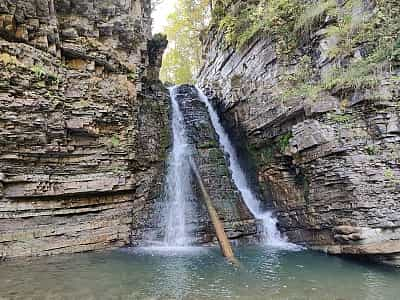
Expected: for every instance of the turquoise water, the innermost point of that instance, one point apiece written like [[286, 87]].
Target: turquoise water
[[198, 273]]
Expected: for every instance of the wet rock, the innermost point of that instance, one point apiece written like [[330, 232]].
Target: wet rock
[[212, 166]]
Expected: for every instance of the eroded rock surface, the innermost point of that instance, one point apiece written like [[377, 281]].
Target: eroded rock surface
[[83, 124], [331, 164]]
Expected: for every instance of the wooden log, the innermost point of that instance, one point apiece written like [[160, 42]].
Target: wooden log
[[222, 238]]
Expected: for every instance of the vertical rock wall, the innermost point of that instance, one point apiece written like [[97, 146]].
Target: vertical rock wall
[[83, 124], [331, 163]]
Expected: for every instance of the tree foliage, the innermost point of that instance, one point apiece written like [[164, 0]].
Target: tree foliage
[[182, 59]]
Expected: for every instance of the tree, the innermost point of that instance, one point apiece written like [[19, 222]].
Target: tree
[[182, 60]]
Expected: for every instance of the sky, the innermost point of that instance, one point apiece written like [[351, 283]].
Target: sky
[[161, 13]]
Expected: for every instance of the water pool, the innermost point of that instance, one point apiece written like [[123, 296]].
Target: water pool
[[197, 273]]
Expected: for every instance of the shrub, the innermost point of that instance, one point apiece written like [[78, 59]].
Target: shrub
[[313, 15], [271, 17]]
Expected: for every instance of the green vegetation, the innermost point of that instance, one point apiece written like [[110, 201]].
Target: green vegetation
[[313, 15], [371, 150], [365, 44], [261, 155], [132, 75], [283, 142], [182, 59], [265, 155], [39, 71], [42, 74], [208, 144], [271, 17], [340, 118], [388, 173], [115, 141], [390, 176]]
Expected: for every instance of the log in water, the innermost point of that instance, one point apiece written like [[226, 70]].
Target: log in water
[[223, 240]]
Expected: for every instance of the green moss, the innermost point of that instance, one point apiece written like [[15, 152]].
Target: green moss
[[388, 173], [165, 141], [42, 74], [208, 144], [215, 155], [82, 103], [132, 76], [115, 141], [371, 150], [222, 170], [340, 118], [284, 141], [262, 156], [39, 71]]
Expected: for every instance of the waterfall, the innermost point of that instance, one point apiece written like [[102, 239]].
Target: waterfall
[[178, 188], [272, 236]]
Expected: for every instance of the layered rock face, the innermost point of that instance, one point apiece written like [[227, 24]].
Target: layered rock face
[[331, 163], [83, 124], [209, 159]]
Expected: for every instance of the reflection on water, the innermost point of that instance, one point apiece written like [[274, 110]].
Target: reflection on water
[[197, 273]]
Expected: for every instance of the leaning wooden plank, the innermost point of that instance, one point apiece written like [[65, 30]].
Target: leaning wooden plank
[[223, 240]]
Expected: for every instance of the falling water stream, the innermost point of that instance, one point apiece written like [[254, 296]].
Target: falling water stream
[[271, 233], [178, 188]]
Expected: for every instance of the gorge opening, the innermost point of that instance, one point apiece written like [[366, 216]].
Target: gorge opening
[[115, 184]]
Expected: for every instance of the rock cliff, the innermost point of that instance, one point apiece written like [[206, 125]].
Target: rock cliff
[[83, 124], [324, 144]]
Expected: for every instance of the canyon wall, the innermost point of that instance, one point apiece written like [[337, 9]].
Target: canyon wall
[[83, 124], [328, 161]]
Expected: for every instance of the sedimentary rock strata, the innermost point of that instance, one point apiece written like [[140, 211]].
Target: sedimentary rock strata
[[331, 163], [83, 124]]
